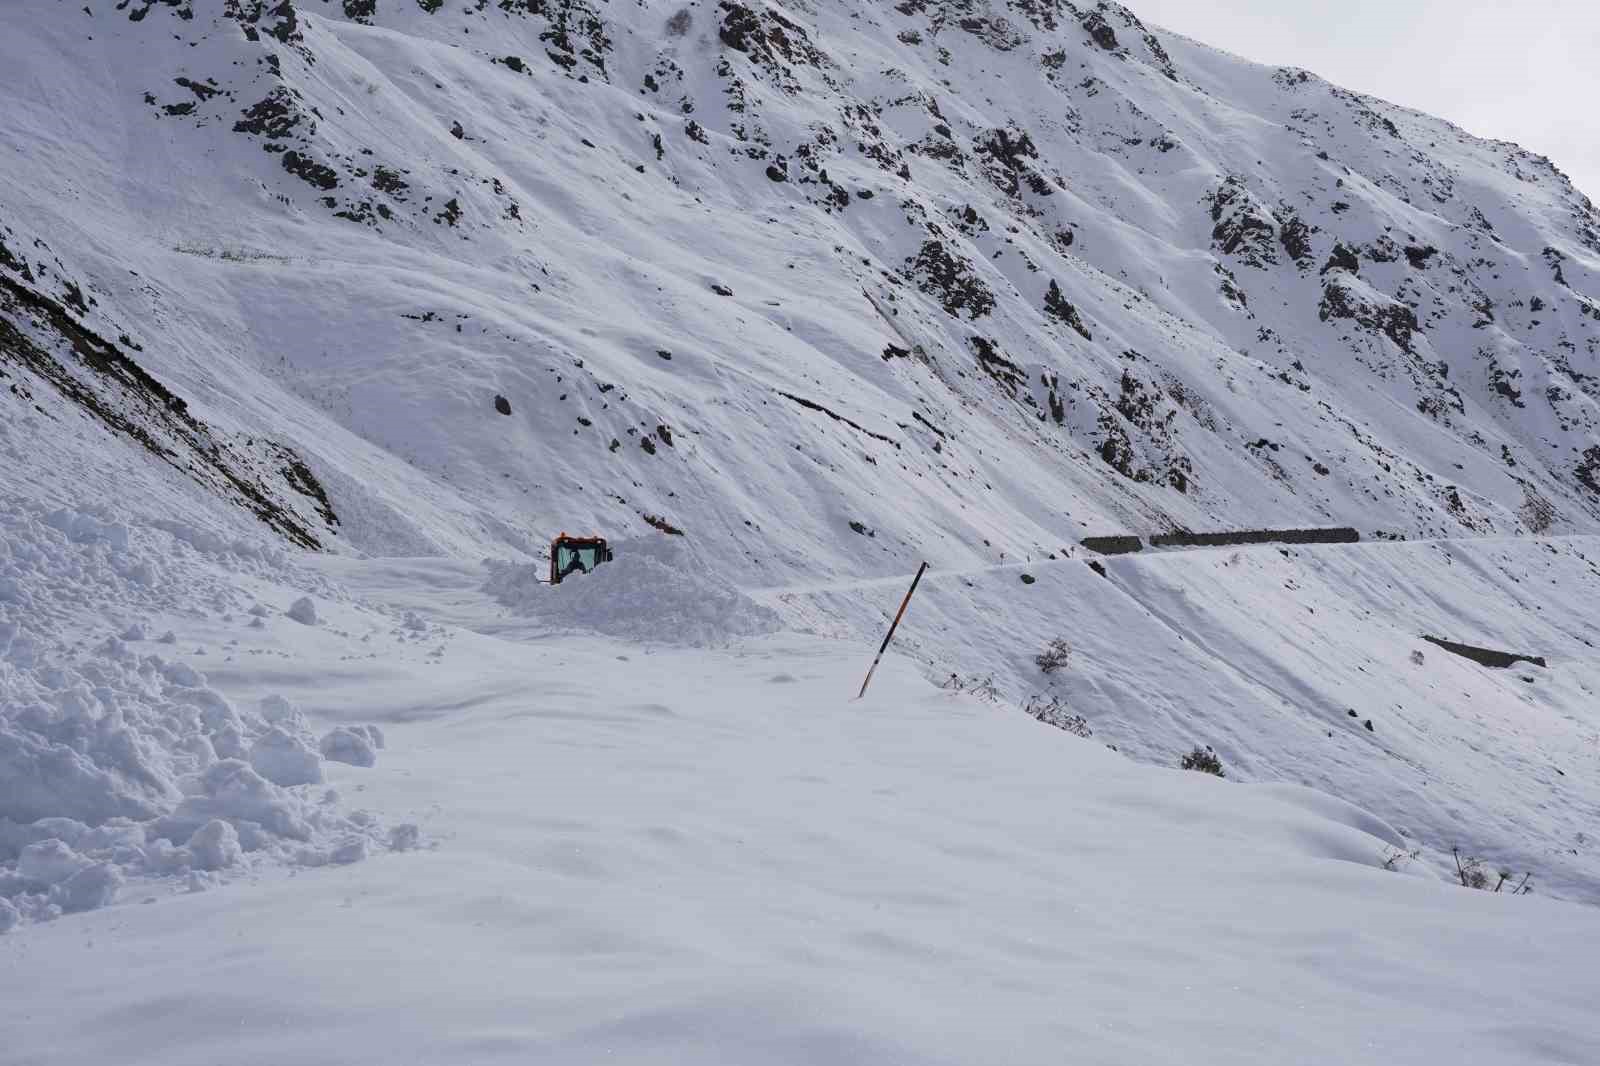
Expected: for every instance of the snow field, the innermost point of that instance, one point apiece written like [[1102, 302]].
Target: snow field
[[669, 855]]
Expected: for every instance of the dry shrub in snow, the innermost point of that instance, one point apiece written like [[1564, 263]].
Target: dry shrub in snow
[[1204, 760], [1051, 711], [1394, 858], [982, 687], [1054, 657], [1471, 873]]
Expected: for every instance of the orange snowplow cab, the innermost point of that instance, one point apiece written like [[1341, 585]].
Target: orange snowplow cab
[[576, 555]]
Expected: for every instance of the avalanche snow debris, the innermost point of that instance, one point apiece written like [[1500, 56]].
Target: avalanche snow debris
[[116, 764], [654, 590]]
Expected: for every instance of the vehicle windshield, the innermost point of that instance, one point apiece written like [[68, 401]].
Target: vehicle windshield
[[570, 558]]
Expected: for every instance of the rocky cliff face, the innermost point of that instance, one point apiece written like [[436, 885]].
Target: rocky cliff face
[[980, 277]]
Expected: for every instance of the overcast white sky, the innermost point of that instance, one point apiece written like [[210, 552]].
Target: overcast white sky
[[1527, 72]]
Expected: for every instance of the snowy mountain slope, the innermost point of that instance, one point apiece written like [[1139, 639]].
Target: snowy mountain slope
[[1257, 277], [659, 855], [830, 288], [1305, 665]]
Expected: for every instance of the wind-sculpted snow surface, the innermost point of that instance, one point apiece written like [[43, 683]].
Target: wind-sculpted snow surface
[[118, 759]]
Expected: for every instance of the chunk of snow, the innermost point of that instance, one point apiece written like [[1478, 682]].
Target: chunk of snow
[[118, 834], [48, 862], [276, 709], [181, 673], [92, 887], [228, 741], [351, 849], [349, 745], [215, 846], [405, 837], [233, 790], [69, 831], [41, 776], [304, 611], [285, 758]]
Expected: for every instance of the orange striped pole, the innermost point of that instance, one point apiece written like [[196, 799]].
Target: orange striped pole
[[892, 627]]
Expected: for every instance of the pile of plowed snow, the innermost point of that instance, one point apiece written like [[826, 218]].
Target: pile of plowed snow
[[117, 762], [654, 589]]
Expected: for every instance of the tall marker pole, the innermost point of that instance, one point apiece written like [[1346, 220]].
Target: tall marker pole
[[892, 627]]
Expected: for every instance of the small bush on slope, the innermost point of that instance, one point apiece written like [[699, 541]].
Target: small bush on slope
[[1054, 656], [1051, 711], [982, 687], [1204, 760], [1471, 874]]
